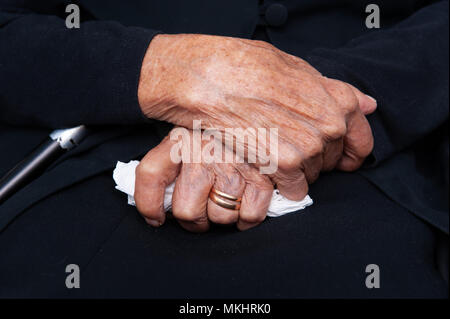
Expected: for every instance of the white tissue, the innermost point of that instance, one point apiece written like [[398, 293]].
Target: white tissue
[[124, 176]]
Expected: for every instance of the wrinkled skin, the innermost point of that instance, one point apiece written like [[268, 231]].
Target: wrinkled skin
[[230, 82], [190, 203]]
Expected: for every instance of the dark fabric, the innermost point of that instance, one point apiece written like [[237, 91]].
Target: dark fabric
[[320, 252], [51, 77], [56, 77]]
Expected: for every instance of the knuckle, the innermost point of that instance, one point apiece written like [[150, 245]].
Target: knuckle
[[315, 148], [350, 103], [351, 106], [289, 160], [140, 169], [313, 176], [253, 218], [148, 178], [335, 128], [344, 94], [145, 169], [186, 213]]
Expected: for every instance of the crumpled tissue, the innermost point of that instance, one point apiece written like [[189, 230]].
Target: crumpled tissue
[[124, 176]]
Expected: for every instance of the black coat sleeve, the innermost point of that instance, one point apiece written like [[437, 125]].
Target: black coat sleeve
[[406, 68], [52, 76]]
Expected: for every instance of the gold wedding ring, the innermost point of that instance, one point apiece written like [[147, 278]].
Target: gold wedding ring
[[225, 200], [225, 195]]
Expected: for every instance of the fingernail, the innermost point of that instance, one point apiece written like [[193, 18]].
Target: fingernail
[[153, 222], [371, 98]]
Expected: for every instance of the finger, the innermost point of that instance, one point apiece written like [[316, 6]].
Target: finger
[[229, 181], [190, 196], [291, 184], [347, 95], [332, 154], [153, 174], [358, 143], [255, 201], [312, 168], [289, 176], [367, 104]]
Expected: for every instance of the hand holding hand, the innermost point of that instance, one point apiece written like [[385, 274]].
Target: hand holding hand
[[237, 83], [191, 204]]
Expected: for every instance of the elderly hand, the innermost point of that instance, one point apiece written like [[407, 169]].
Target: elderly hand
[[191, 204], [237, 83]]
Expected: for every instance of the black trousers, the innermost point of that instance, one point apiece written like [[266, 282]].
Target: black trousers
[[321, 251]]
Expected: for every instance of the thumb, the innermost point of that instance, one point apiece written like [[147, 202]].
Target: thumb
[[153, 174], [367, 104]]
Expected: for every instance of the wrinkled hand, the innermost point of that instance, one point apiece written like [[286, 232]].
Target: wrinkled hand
[[190, 203], [230, 82]]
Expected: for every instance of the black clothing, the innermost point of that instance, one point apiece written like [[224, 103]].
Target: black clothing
[[52, 77]]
